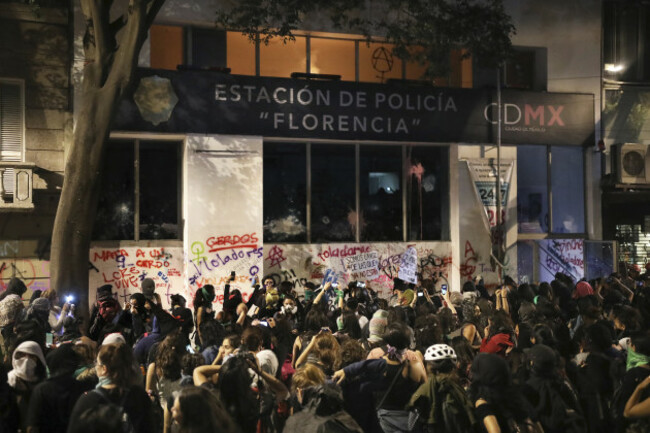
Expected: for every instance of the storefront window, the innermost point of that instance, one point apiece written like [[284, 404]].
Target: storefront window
[[333, 193], [381, 193], [153, 201], [285, 192], [427, 193], [567, 184], [328, 188], [532, 189]]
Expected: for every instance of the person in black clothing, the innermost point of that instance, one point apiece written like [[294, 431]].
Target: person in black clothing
[[52, 401], [183, 315], [498, 403], [638, 368], [119, 385]]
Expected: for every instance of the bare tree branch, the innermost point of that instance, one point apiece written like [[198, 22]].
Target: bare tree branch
[[98, 35], [153, 10]]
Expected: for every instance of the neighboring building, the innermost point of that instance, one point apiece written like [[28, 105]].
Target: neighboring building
[[35, 124], [256, 172], [626, 128]]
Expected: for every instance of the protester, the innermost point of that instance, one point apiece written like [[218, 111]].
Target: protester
[[119, 385], [565, 357]]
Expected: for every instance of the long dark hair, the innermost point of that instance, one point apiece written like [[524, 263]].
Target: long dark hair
[[234, 385], [118, 359], [199, 298], [492, 382], [169, 356], [202, 411]]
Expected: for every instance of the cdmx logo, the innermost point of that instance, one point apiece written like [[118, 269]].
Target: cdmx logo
[[513, 114]]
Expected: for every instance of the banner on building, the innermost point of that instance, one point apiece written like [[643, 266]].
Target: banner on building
[[364, 266], [408, 267], [484, 178]]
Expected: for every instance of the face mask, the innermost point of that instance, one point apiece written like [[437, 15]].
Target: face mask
[[289, 309], [25, 368]]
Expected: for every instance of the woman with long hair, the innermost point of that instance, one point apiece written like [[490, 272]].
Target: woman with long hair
[[203, 312], [198, 410], [242, 397], [324, 351], [164, 374], [119, 385]]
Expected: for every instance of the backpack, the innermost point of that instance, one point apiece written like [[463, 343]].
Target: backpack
[[562, 417], [108, 309], [126, 426], [457, 411]]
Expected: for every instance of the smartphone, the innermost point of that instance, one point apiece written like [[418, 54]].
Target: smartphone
[[264, 323], [49, 339], [69, 299], [420, 294], [189, 349], [232, 274], [444, 289], [253, 310]]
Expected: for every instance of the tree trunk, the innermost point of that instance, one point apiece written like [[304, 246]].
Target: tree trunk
[[75, 215], [108, 72]]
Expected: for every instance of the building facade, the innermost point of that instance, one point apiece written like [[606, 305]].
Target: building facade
[[220, 161]]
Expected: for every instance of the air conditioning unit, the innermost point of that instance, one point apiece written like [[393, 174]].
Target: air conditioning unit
[[631, 162]]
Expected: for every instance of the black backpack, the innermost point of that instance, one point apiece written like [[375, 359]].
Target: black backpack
[[126, 426], [457, 411], [559, 410]]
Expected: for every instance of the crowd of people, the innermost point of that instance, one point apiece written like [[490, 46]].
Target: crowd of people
[[563, 356]]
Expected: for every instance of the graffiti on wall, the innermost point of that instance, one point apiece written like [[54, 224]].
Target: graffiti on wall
[[561, 255], [126, 268], [24, 260], [211, 261], [318, 263]]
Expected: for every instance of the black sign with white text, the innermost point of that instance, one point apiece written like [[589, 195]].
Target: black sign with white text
[[215, 103]]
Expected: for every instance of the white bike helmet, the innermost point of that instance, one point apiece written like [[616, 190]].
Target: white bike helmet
[[439, 352]]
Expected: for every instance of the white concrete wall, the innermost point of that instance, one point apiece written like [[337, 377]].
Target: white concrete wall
[[222, 206]]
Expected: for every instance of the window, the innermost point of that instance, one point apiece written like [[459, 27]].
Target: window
[[166, 47], [12, 123], [355, 193], [380, 191], [563, 193], [285, 192], [626, 40], [140, 188], [333, 56], [351, 58], [428, 193], [532, 189]]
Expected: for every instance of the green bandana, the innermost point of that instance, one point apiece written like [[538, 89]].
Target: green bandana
[[339, 323], [636, 359], [103, 380]]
